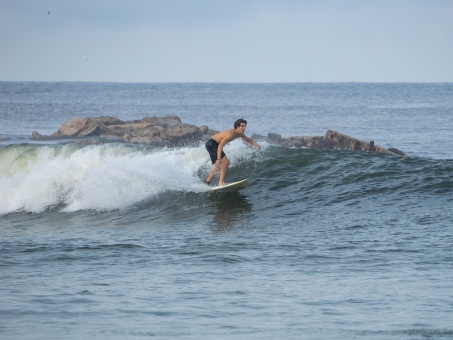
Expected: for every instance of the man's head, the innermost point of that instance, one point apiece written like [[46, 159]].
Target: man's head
[[240, 122]]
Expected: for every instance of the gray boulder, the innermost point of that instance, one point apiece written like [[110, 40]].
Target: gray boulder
[[169, 131]]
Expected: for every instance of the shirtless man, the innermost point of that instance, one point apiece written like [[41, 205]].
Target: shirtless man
[[215, 148]]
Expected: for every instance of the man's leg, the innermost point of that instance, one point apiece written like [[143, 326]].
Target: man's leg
[[212, 173], [224, 170]]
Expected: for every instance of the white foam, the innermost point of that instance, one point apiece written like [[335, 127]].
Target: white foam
[[101, 177]]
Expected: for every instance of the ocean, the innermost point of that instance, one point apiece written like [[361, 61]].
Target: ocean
[[124, 241]]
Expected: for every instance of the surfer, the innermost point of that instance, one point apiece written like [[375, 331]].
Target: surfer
[[215, 148]]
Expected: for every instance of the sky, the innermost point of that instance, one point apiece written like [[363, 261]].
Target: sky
[[227, 40]]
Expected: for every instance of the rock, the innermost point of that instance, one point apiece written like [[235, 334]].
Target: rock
[[81, 127], [294, 142], [164, 121], [132, 128], [304, 142], [397, 152], [36, 135], [259, 138], [169, 131], [149, 140], [182, 134], [275, 138], [107, 121], [334, 140], [338, 141]]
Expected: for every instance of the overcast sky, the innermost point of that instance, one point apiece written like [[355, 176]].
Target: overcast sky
[[227, 40]]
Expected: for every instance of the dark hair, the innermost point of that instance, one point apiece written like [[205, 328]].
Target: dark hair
[[239, 122]]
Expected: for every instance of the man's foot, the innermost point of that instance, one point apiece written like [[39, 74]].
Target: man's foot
[[206, 182]]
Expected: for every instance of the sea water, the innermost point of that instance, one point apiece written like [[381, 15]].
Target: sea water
[[124, 240]]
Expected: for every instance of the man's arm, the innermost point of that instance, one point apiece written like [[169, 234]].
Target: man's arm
[[251, 141]]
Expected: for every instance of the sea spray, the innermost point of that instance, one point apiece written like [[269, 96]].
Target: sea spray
[[73, 177]]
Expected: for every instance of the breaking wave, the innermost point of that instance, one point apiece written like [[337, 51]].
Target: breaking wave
[[71, 177]]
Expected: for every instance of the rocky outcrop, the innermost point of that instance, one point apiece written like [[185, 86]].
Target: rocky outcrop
[[334, 140], [171, 132], [156, 131]]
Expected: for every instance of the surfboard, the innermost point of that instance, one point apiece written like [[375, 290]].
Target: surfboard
[[232, 186]]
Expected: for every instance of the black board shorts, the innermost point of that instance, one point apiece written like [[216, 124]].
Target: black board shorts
[[212, 146]]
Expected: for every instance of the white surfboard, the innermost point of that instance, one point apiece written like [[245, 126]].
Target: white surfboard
[[232, 186]]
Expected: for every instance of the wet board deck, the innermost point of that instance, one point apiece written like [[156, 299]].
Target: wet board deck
[[232, 186]]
